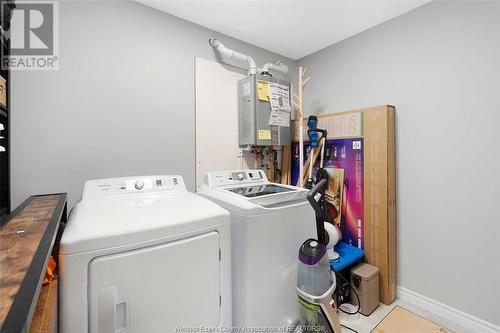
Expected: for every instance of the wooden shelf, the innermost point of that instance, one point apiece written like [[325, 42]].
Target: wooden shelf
[[26, 241], [5, 169], [45, 317]]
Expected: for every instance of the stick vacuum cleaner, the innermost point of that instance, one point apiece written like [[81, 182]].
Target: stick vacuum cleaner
[[312, 132], [315, 280]]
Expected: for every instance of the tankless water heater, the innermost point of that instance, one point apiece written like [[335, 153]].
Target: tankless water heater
[[256, 94]]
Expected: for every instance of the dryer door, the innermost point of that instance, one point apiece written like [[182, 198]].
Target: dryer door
[[156, 289]]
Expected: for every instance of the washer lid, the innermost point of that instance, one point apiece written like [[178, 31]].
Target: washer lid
[[258, 190], [101, 224], [249, 191]]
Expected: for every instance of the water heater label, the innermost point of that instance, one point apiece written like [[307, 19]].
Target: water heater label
[[264, 135]]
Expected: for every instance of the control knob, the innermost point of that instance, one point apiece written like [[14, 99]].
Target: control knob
[[139, 184]]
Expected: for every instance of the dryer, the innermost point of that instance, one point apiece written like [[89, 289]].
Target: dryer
[[269, 222], [142, 254]]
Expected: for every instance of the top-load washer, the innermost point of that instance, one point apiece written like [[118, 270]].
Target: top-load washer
[[269, 222], [142, 255]]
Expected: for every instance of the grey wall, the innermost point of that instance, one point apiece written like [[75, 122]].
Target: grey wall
[[121, 104], [440, 66]]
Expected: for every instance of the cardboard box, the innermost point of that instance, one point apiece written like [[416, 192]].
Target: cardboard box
[[376, 126], [344, 158]]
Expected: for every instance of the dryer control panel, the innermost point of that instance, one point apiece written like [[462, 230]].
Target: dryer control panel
[[235, 177], [131, 186]]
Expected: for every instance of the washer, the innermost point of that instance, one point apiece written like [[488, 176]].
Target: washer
[[143, 254], [269, 222]]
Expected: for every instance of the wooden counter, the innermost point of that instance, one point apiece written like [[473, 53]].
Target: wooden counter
[[26, 242]]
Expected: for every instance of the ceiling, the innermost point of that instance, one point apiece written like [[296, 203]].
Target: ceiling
[[291, 28]]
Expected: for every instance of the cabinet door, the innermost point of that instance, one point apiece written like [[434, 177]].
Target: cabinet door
[[156, 289]]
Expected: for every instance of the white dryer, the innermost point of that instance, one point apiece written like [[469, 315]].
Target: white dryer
[[142, 255], [269, 222]]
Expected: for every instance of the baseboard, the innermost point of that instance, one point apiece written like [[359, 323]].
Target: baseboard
[[447, 312]]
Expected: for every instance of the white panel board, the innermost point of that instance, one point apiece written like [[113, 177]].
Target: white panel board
[[216, 108]]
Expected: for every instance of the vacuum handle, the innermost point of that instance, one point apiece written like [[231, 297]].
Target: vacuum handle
[[320, 225], [311, 197], [312, 137]]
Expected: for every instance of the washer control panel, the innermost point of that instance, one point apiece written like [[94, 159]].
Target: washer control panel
[[128, 186], [234, 177]]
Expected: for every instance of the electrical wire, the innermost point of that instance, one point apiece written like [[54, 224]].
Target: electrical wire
[[355, 293], [349, 328]]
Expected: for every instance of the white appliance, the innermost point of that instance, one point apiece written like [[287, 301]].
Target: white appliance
[[142, 255], [269, 222]]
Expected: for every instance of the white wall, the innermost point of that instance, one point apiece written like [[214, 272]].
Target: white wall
[[122, 102], [440, 66]]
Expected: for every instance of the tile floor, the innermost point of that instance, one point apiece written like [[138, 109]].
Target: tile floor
[[364, 324]]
